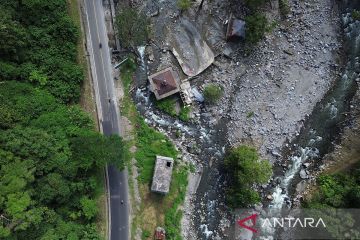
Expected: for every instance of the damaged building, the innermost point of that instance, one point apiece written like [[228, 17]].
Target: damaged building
[[167, 82], [235, 29], [162, 175], [164, 83]]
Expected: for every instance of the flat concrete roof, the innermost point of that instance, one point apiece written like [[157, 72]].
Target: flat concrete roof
[[162, 174]]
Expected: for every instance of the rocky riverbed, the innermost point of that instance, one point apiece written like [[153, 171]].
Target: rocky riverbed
[[286, 76], [268, 94]]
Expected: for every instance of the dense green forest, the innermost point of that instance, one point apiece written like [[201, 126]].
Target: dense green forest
[[338, 191], [341, 190], [38, 45], [51, 158]]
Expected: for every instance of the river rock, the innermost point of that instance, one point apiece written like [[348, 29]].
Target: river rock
[[258, 207], [278, 180], [269, 197], [191, 147], [303, 174], [151, 57], [284, 165], [306, 165], [300, 187], [275, 153]]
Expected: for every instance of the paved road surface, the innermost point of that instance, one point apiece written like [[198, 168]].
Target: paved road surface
[[108, 113]]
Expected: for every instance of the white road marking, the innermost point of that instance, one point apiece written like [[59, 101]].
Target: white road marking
[[101, 114], [94, 70], [101, 56], [110, 93]]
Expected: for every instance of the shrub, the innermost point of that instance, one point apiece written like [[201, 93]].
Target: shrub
[[167, 105], [212, 93], [127, 70], [355, 14], [340, 190], [145, 234], [129, 64], [254, 4], [184, 114], [241, 197], [245, 169], [133, 27], [256, 26], [250, 114], [334, 190], [184, 4], [284, 7]]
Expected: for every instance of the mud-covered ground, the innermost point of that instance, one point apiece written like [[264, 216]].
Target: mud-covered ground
[[347, 152]]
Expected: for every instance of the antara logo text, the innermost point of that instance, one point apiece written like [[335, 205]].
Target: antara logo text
[[275, 222]]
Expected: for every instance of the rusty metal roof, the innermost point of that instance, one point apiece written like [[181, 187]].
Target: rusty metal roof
[[164, 83]]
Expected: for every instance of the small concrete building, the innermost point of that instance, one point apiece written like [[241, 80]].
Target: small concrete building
[[235, 29], [162, 175], [164, 83]]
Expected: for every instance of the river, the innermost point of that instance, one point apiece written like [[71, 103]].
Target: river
[[321, 129], [323, 126]]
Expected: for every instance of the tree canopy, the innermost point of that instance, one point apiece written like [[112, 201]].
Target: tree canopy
[[51, 158], [48, 165], [133, 27], [245, 169], [38, 44]]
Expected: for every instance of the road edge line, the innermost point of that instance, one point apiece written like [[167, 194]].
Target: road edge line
[[85, 23]]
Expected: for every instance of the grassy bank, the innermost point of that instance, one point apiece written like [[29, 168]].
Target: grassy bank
[[154, 210]]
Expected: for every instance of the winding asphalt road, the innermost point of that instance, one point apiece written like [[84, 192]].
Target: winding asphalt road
[[108, 112]]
